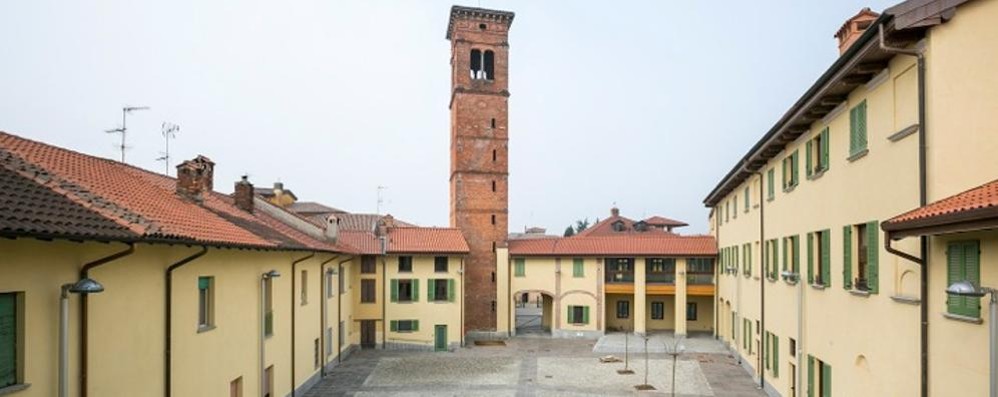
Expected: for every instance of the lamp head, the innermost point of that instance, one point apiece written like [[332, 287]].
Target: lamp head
[[271, 274], [965, 288], [86, 285]]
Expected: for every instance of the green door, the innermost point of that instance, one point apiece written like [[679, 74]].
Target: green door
[[440, 338], [8, 340]]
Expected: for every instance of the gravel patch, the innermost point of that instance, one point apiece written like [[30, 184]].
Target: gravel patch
[[588, 374], [445, 369]]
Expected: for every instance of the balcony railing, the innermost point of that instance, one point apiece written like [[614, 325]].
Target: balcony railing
[[620, 276], [700, 279], [661, 278]]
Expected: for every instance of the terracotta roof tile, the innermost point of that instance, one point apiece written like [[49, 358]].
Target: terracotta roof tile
[[605, 228], [147, 202], [426, 240], [981, 198], [663, 221], [663, 245]]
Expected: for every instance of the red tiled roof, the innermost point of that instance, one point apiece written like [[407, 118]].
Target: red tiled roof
[[663, 221], [605, 228], [363, 243], [426, 240], [664, 245], [974, 204], [146, 202]]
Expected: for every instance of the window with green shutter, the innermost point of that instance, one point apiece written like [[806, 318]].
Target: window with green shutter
[[817, 154], [790, 172], [857, 129], [771, 184], [963, 263], [795, 263], [8, 339], [775, 354], [734, 205], [578, 315], [826, 258], [847, 257], [810, 258], [519, 267], [206, 302], [450, 290], [748, 199], [578, 267]]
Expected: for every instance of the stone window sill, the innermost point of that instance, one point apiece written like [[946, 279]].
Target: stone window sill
[[816, 175], [790, 188], [818, 286], [770, 198], [966, 319], [897, 136], [858, 155], [14, 388], [205, 328], [789, 281], [909, 300], [861, 293]]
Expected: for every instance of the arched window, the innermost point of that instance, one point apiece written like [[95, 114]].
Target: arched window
[[482, 65], [476, 63]]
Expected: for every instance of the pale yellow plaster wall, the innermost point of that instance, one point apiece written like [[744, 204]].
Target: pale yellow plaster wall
[[429, 313], [612, 322], [877, 186]]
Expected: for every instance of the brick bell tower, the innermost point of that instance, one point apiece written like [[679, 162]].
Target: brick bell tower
[[479, 199]]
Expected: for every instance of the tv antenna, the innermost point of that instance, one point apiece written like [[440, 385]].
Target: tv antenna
[[124, 129], [381, 200], [169, 131]]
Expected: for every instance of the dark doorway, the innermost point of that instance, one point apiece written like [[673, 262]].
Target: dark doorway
[[367, 334]]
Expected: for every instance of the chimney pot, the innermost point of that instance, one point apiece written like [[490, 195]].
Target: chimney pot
[[243, 194], [854, 27], [195, 177], [614, 211]]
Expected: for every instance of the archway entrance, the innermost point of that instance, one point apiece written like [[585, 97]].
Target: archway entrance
[[534, 313]]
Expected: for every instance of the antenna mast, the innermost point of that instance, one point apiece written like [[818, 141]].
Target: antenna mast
[[380, 199], [124, 129], [169, 131]]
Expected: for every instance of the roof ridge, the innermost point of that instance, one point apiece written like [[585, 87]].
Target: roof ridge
[[104, 207]]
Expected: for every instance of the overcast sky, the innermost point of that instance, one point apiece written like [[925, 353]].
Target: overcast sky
[[642, 104]]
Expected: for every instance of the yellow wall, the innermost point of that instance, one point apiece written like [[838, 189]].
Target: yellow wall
[[429, 313], [126, 337]]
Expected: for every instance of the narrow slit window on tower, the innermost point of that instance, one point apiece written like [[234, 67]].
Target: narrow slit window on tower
[[493, 219], [493, 186], [493, 155], [493, 122], [482, 26]]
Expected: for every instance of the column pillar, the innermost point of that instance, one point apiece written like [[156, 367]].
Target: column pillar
[[638, 312], [680, 301]]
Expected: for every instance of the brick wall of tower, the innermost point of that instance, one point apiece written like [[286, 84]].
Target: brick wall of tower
[[479, 162]]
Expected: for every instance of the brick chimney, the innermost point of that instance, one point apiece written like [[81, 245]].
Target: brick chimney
[[243, 194], [614, 211], [194, 177], [854, 27], [386, 222], [332, 230]]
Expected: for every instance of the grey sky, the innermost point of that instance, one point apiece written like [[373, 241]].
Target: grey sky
[[643, 104]]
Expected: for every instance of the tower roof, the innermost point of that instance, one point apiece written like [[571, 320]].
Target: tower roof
[[477, 13]]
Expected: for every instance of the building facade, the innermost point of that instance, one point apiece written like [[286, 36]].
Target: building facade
[[811, 296], [479, 201]]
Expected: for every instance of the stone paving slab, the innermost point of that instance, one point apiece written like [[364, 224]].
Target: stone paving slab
[[440, 370], [657, 343], [588, 373]]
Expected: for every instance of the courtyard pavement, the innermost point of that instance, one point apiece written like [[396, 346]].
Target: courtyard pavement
[[535, 366]]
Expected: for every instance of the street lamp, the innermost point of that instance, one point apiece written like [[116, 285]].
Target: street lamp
[[84, 286], [966, 288]]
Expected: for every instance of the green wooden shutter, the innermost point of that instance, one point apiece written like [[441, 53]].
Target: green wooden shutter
[[862, 125], [395, 290], [585, 314], [954, 273], [807, 156], [786, 180], [430, 293], [963, 263], [571, 320], [450, 290], [824, 149], [415, 325], [734, 256], [776, 356], [810, 258], [8, 339], [578, 267], [853, 128], [415, 290], [826, 257], [765, 348], [394, 325], [785, 256], [810, 376], [771, 188], [873, 257], [826, 380], [847, 257], [972, 272], [796, 174], [519, 267]]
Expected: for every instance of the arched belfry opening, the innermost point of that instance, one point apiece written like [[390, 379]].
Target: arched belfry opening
[[482, 64]]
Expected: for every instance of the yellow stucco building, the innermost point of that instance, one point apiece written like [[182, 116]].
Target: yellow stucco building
[[162, 286], [619, 275], [813, 296]]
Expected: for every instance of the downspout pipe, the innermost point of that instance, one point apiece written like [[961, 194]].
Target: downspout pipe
[[169, 315], [84, 329], [762, 281], [922, 201], [339, 312], [294, 275], [323, 323]]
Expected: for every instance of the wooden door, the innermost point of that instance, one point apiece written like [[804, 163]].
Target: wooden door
[[367, 334]]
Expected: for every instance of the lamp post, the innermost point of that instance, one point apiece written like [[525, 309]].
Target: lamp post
[[264, 296], [966, 288], [83, 286]]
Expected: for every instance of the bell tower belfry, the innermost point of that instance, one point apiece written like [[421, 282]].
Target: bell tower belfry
[[479, 171]]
